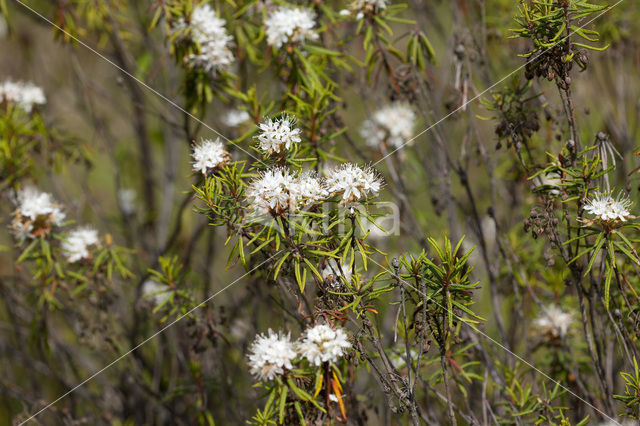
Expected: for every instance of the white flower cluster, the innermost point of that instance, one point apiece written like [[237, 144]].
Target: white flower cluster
[[211, 35], [607, 209], [307, 190], [23, 95], [236, 117], [155, 291], [209, 155], [76, 244], [270, 192], [278, 134], [290, 25], [277, 191], [272, 354], [36, 212], [365, 7], [363, 4], [554, 322], [35, 205], [353, 182], [333, 270], [322, 343], [392, 124]]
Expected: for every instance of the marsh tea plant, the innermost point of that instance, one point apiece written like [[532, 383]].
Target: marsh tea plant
[[320, 212]]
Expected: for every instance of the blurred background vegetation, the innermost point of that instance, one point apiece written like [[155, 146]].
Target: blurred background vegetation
[[93, 106]]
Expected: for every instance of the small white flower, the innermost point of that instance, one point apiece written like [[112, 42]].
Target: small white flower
[[277, 135], [22, 230], [554, 322], [23, 95], [36, 212], [607, 209], [362, 7], [372, 133], [157, 292], [127, 199], [290, 25], [209, 32], [307, 189], [209, 155], [35, 205], [270, 192], [378, 4], [322, 343], [271, 355], [353, 182], [236, 117], [392, 124], [334, 270], [76, 244], [211, 58], [277, 191]]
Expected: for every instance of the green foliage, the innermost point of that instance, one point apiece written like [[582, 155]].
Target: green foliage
[[532, 408], [631, 397], [179, 301], [553, 27], [27, 143], [446, 285], [548, 23], [422, 313], [517, 119]]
